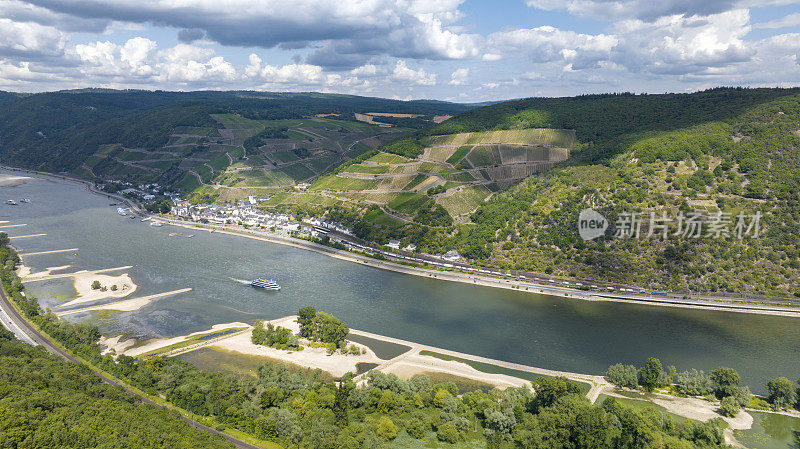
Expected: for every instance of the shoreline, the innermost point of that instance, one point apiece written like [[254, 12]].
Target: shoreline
[[475, 279]]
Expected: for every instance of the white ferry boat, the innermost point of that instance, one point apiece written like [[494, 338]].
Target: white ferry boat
[[266, 284]]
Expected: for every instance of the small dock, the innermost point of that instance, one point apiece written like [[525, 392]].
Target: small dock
[[13, 237], [54, 251]]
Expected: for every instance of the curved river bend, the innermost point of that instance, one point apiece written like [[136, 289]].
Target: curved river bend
[[544, 331]]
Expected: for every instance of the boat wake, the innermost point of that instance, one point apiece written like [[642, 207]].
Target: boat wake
[[241, 281]]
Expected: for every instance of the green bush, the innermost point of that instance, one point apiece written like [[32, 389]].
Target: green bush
[[448, 433], [623, 375]]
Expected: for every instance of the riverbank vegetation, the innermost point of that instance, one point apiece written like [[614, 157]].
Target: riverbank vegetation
[[721, 384]]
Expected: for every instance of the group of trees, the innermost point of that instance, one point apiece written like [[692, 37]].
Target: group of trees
[[275, 337], [317, 325], [46, 401], [721, 383]]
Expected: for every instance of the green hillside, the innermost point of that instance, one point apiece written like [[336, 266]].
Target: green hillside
[[726, 151], [48, 402], [190, 139], [448, 180]]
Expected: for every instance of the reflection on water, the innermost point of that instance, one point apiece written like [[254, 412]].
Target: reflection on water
[[538, 330]]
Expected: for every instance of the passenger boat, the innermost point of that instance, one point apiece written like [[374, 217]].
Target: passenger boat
[[156, 224], [11, 202], [267, 284], [122, 211], [24, 200]]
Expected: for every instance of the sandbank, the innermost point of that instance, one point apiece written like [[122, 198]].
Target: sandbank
[[82, 282]]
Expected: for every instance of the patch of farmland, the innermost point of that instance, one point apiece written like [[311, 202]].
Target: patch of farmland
[[259, 178], [516, 171], [297, 172], [283, 156], [394, 183], [484, 155], [387, 158], [460, 177], [533, 136], [415, 182], [371, 197], [458, 154], [409, 202], [372, 169], [333, 182], [300, 198], [220, 162], [464, 200], [439, 154], [322, 163], [432, 167]]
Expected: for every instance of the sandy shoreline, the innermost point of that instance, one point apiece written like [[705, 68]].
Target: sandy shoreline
[[12, 181]]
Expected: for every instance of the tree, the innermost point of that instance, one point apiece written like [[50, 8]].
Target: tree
[[96, 285], [782, 392], [340, 400], [305, 318], [447, 433], [386, 429], [622, 375], [549, 390], [651, 374], [725, 381], [729, 407]]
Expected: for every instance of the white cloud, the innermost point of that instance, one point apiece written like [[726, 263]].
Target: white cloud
[[549, 44], [787, 21], [459, 77], [30, 39], [403, 73], [347, 32], [680, 45]]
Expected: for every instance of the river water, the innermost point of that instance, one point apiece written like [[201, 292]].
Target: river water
[[538, 330]]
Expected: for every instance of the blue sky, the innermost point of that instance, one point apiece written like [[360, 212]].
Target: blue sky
[[466, 50]]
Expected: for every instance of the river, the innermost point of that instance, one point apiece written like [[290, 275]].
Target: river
[[538, 330]]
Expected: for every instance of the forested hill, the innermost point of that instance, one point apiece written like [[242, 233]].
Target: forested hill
[[57, 131], [727, 150]]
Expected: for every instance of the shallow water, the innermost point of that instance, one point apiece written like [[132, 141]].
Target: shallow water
[[539, 330]]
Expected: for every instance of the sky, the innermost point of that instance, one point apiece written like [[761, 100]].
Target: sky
[[454, 50]]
